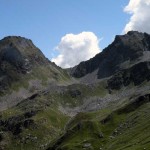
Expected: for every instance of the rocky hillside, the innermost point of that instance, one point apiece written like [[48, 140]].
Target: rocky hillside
[[103, 104], [126, 50], [24, 70]]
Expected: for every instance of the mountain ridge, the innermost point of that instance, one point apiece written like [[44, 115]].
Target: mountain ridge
[[102, 103], [125, 48]]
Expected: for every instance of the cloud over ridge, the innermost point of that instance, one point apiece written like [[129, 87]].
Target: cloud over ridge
[[140, 16], [74, 48]]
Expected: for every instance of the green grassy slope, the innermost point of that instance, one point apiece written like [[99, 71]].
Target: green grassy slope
[[124, 129], [36, 121], [27, 132]]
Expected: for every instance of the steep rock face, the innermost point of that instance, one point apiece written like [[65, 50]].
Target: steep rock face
[[136, 74], [125, 51]]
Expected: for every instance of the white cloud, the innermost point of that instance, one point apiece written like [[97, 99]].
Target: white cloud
[[74, 48], [140, 16]]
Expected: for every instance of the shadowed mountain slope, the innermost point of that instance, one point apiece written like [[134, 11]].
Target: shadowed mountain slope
[[125, 51]]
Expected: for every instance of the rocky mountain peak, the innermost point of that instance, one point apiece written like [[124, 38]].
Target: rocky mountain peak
[[20, 52], [135, 40], [126, 50], [18, 41], [18, 57]]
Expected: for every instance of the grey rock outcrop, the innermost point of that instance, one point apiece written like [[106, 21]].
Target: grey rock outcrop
[[125, 51]]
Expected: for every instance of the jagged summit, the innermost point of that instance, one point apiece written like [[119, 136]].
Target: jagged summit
[[131, 38], [125, 51], [131, 34]]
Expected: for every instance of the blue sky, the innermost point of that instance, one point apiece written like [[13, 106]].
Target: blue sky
[[45, 22]]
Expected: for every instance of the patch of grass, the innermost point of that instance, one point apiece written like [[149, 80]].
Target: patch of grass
[[52, 118], [48, 124], [125, 131], [10, 112]]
